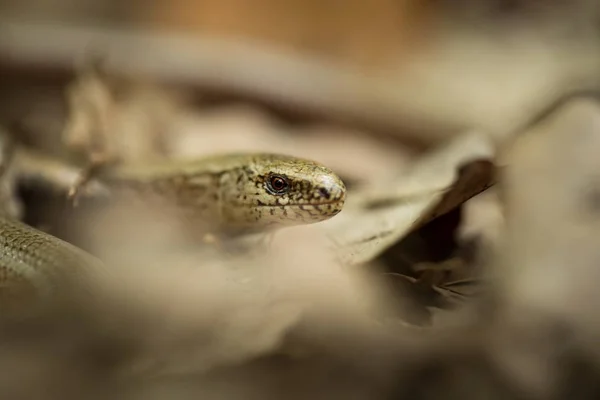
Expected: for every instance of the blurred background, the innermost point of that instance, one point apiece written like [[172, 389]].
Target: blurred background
[[416, 70]]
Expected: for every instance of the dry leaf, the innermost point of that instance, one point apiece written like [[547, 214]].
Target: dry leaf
[[376, 219]]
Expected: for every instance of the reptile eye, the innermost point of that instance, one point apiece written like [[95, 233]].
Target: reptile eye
[[277, 184]]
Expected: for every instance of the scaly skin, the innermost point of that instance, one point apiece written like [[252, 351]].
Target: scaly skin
[[234, 192], [31, 260]]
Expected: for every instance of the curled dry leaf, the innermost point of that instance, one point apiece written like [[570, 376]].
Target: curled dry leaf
[[376, 218]]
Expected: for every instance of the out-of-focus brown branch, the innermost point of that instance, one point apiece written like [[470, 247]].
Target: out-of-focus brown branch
[[442, 89]]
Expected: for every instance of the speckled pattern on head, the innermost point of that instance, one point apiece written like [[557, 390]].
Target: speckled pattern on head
[[310, 192], [247, 191]]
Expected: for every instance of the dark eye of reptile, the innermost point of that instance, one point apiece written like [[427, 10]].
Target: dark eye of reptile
[[277, 184]]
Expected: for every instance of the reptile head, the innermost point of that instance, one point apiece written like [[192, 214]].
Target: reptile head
[[276, 190]]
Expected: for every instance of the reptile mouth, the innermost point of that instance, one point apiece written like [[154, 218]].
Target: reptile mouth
[[323, 203]]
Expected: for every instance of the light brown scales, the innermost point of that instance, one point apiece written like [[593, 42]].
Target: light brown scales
[[233, 192], [240, 192]]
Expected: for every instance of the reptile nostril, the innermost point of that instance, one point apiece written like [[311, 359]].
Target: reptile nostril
[[324, 192]]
